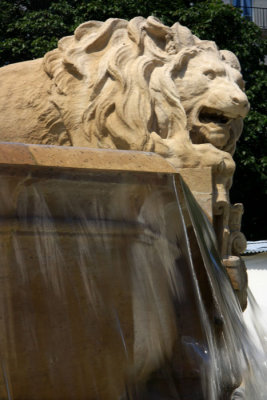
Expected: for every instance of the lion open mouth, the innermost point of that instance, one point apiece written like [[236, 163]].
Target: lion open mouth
[[211, 115]]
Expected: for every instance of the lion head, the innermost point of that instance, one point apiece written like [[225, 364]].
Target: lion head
[[141, 85], [211, 90]]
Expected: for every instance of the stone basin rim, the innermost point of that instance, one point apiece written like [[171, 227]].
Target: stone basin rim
[[66, 157]]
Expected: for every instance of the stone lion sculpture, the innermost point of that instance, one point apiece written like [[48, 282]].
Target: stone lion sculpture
[[136, 85]]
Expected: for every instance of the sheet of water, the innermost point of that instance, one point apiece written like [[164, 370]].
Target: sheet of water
[[112, 288]]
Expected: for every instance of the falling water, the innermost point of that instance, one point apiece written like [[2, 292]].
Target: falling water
[[112, 288]]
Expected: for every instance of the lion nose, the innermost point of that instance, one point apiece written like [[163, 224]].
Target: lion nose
[[242, 103]]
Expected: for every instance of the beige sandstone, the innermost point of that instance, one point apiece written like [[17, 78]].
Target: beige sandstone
[[139, 86], [136, 85]]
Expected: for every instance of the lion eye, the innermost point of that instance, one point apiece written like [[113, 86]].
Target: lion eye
[[210, 74]]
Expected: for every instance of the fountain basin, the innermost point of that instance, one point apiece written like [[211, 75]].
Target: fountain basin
[[95, 272]]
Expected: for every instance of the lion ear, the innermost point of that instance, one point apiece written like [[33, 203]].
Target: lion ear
[[229, 58]]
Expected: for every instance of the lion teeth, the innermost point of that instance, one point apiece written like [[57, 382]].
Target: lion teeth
[[213, 116]]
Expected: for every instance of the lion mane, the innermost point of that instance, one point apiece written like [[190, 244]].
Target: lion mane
[[123, 76]]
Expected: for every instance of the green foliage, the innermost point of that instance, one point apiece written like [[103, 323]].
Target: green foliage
[[30, 28]]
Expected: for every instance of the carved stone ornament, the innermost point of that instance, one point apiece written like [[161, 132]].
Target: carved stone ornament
[[137, 85]]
